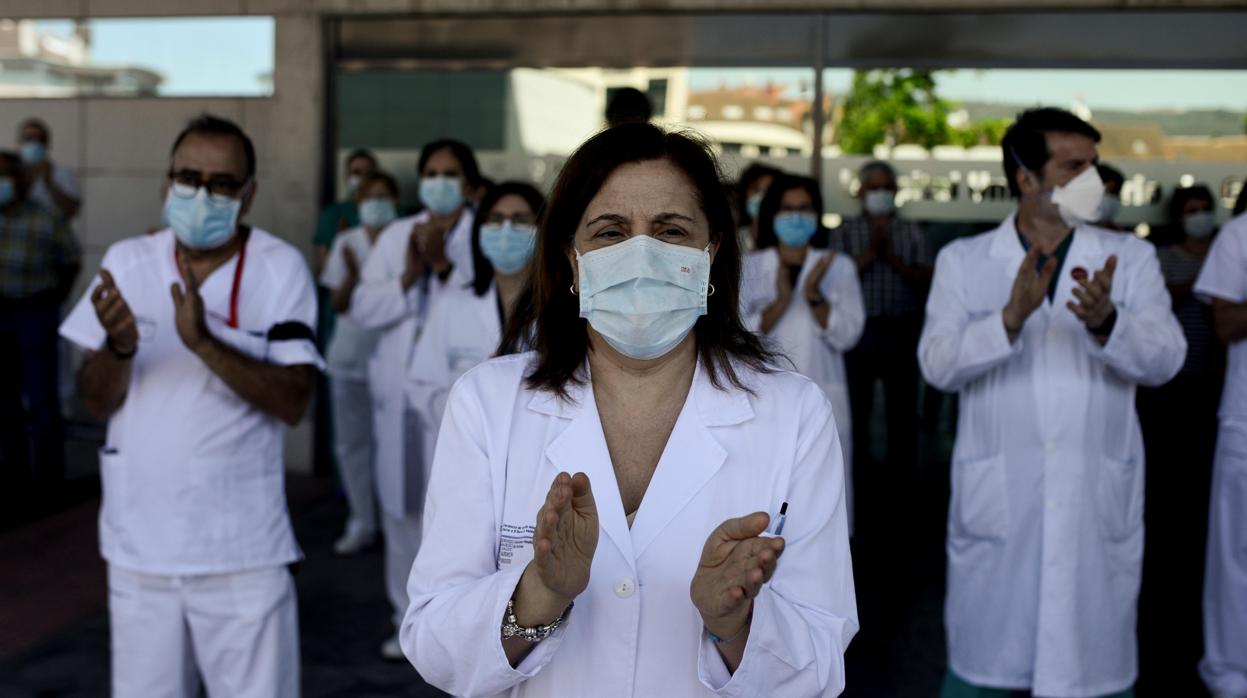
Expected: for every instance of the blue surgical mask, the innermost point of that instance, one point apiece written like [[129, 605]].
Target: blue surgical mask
[[508, 245], [201, 222], [795, 228], [879, 202], [442, 195], [1200, 224], [643, 296], [8, 191], [34, 152], [377, 212], [753, 204]]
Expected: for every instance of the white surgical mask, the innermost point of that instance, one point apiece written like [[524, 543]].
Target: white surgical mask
[[377, 212], [879, 202], [643, 296], [1079, 199], [441, 194], [508, 245], [352, 184], [1200, 224], [1110, 206]]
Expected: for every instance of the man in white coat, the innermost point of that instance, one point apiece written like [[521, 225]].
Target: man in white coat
[[1045, 326], [200, 350], [1223, 282]]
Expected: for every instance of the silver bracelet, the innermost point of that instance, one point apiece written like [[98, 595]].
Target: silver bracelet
[[512, 628]]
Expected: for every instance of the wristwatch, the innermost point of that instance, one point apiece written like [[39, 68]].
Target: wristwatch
[[512, 628], [117, 353], [816, 301]]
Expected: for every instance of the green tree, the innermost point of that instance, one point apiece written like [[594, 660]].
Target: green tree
[[893, 106]]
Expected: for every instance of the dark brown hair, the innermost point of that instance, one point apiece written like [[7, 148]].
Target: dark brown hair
[[774, 197], [548, 319]]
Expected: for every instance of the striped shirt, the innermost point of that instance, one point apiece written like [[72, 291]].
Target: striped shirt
[[36, 249], [884, 291], [1180, 267]]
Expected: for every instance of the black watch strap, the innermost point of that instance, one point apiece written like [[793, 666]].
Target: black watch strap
[[117, 353], [1106, 328]]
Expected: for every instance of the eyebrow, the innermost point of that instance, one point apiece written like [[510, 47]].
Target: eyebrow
[[661, 218]]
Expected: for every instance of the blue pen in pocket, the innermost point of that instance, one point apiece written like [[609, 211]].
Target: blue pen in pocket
[[779, 520]]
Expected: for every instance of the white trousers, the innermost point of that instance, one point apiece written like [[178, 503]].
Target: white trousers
[[1224, 666], [402, 541], [352, 438], [240, 631]]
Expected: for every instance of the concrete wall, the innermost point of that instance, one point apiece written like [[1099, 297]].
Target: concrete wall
[[120, 147]]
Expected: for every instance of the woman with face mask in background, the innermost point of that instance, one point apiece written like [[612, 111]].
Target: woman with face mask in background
[[349, 351], [415, 260], [804, 298], [754, 182], [465, 325], [1179, 422], [645, 384]]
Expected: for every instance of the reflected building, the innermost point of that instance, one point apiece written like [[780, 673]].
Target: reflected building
[[41, 64]]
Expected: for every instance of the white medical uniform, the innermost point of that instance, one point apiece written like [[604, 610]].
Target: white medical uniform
[[194, 523], [1045, 528], [461, 330], [347, 358], [816, 352], [634, 631], [379, 303], [1224, 666]]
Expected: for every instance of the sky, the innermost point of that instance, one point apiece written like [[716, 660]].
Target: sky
[[198, 56], [227, 55], [1131, 90]]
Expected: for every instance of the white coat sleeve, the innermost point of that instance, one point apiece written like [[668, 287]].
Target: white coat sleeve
[[1147, 345], [289, 337], [957, 346], [843, 292], [756, 292], [804, 618], [1224, 274], [428, 376], [452, 631], [379, 300]]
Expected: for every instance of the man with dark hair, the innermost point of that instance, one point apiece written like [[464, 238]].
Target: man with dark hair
[[50, 185], [629, 106], [1044, 326], [1111, 205], [200, 350], [894, 265], [39, 260]]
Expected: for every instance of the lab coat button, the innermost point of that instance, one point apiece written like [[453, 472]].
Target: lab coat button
[[625, 588]]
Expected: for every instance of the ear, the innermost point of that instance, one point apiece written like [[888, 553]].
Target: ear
[[714, 249], [248, 198], [570, 251], [1027, 182]]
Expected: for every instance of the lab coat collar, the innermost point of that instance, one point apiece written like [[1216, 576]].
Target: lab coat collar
[[691, 458], [717, 408], [1086, 243]]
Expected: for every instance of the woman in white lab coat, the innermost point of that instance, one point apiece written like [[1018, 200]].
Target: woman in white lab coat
[[415, 259], [464, 326], [685, 446], [804, 298], [348, 355]]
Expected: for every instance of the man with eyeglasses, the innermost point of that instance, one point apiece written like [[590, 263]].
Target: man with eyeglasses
[[199, 351]]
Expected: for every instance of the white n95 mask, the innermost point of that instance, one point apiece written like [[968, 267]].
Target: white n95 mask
[[643, 296], [1079, 199]]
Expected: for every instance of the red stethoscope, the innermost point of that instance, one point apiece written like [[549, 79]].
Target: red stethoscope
[[232, 320]]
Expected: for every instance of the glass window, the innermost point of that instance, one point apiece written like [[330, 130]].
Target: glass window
[[942, 130], [144, 57]]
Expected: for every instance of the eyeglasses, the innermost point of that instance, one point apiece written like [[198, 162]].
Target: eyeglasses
[[221, 190]]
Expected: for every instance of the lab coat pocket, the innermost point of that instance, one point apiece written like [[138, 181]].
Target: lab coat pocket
[[1119, 498], [981, 508], [113, 478]]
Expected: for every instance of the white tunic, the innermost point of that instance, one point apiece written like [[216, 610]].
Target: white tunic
[[634, 631], [1045, 528], [192, 475], [1224, 666], [380, 303]]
